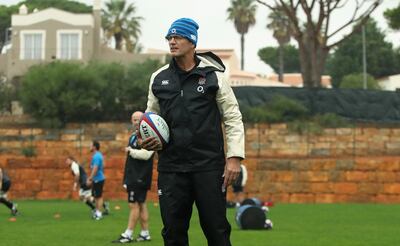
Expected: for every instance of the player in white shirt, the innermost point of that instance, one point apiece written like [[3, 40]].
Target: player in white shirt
[[5, 184], [80, 176]]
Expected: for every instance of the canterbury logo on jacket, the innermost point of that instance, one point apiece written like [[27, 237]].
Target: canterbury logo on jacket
[[194, 105]]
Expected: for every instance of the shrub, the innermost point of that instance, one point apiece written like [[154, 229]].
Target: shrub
[[330, 120], [355, 81], [279, 109], [111, 80], [283, 109], [6, 95], [29, 151], [305, 126], [137, 88], [58, 93], [317, 123]]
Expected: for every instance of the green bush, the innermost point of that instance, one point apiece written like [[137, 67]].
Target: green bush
[[315, 124], [29, 151], [330, 120], [283, 109], [259, 114], [7, 93], [279, 109], [305, 126], [137, 88], [110, 79], [355, 81], [58, 93]]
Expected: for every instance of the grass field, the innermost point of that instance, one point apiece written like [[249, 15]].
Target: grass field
[[294, 225]]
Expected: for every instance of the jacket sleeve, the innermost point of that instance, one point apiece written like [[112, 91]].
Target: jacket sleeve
[[231, 117], [152, 101], [244, 174], [140, 154], [125, 180]]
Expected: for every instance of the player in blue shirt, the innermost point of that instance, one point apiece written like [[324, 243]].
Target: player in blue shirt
[[80, 177], [97, 178]]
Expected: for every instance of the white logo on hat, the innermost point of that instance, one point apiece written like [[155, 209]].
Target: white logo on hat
[[193, 37], [173, 30]]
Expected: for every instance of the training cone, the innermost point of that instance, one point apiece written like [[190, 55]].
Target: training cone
[[269, 204]]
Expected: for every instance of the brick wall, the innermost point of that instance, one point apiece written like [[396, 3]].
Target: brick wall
[[338, 165]]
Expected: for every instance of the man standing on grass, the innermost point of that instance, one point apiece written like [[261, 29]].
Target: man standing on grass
[[80, 178], [193, 95], [5, 184], [96, 179], [137, 181]]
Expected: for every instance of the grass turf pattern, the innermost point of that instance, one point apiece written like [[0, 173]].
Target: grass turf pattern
[[70, 223]]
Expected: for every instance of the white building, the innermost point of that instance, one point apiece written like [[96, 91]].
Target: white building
[[237, 77], [390, 83]]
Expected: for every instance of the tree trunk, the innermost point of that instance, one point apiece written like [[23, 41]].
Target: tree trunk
[[313, 56], [118, 41], [242, 51], [281, 63], [305, 65]]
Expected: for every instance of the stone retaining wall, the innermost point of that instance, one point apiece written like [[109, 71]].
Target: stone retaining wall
[[338, 165]]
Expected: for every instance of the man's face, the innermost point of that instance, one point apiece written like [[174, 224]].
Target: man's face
[[135, 119], [179, 46]]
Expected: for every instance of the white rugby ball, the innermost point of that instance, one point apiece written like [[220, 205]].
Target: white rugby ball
[[153, 125]]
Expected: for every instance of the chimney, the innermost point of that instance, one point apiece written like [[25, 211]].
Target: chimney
[[97, 27], [96, 5], [23, 10]]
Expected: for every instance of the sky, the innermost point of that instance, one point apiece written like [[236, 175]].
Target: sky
[[217, 32]]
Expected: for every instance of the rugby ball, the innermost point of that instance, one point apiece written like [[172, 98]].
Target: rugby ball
[[153, 125]]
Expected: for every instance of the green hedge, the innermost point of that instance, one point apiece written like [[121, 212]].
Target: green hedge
[[58, 93], [6, 96], [282, 109]]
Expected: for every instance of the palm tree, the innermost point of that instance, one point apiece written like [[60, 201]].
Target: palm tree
[[242, 13], [119, 22], [280, 26]]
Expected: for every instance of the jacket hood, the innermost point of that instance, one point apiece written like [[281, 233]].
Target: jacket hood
[[209, 59]]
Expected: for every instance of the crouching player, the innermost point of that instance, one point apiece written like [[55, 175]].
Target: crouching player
[[85, 192]]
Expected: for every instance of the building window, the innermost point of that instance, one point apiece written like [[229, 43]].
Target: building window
[[32, 45], [69, 44]]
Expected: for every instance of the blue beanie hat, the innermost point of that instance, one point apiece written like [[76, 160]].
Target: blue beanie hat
[[184, 27]]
